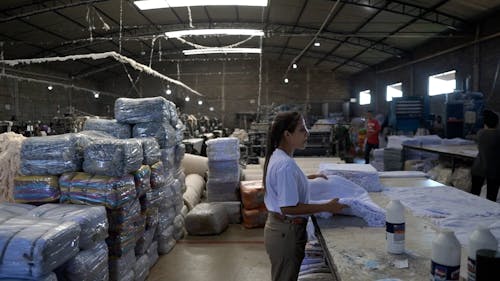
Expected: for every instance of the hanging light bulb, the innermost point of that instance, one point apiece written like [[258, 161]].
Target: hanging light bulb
[[96, 95], [285, 80], [200, 102], [50, 87], [168, 91], [211, 108], [187, 99], [317, 44], [294, 66]]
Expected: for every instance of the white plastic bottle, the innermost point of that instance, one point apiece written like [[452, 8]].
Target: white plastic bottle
[[445, 259], [480, 239], [395, 227]]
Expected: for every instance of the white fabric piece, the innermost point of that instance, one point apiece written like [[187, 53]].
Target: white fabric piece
[[223, 149], [364, 175], [349, 193], [402, 174]]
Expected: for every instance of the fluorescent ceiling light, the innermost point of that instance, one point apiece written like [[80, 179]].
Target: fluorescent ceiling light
[[214, 31], [222, 51], [158, 4]]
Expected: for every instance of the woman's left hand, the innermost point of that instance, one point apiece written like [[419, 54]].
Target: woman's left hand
[[313, 176]]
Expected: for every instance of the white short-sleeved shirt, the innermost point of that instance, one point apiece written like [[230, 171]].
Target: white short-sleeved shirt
[[286, 184]]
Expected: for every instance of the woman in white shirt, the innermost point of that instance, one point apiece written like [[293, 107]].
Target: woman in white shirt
[[287, 197]]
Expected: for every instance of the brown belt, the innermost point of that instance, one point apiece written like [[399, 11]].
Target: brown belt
[[286, 219]]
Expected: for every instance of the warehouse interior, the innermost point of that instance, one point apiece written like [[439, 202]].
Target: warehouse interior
[[199, 83]]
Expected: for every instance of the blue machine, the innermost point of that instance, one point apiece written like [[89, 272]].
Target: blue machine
[[464, 114], [408, 113]]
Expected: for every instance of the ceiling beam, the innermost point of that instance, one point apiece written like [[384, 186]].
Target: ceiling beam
[[304, 5]]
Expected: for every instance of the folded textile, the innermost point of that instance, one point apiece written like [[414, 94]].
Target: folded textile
[[32, 248], [87, 265], [142, 110], [223, 149], [141, 268], [163, 132], [224, 171], [112, 127], [92, 220], [159, 176], [83, 188], [362, 174], [51, 155], [219, 191], [142, 179], [151, 150], [195, 185], [36, 189], [119, 266], [113, 157]]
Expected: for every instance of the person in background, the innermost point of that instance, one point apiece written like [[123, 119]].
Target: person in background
[[437, 126], [487, 163], [287, 197], [372, 131]]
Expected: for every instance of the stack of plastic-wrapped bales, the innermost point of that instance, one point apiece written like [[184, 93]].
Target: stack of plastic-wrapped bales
[[224, 175], [254, 210], [133, 184]]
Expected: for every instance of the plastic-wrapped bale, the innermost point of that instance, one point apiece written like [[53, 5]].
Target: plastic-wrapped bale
[[163, 132], [255, 217], [168, 198], [33, 248], [151, 150], [50, 277], [233, 210], [142, 110], [14, 209], [120, 267], [252, 194], [152, 216], [112, 157], [172, 109], [167, 218], [51, 155], [364, 175], [180, 151], [88, 265], [168, 157], [85, 138], [166, 240], [10, 159], [144, 242], [223, 149], [36, 189], [228, 191], [207, 219], [112, 127], [141, 268], [179, 229], [151, 199], [393, 159], [195, 185], [126, 226], [195, 164], [91, 219], [152, 253], [83, 188], [159, 176], [224, 171], [142, 179]]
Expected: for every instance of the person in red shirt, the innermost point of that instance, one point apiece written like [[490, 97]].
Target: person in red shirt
[[372, 131]]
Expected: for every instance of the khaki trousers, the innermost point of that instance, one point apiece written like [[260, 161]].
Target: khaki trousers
[[285, 244]]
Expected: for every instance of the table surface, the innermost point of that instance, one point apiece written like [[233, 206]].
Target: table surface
[[358, 252], [469, 150]]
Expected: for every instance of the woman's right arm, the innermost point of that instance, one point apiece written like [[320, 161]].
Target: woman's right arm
[[332, 206]]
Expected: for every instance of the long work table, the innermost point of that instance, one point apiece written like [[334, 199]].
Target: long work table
[[356, 252], [453, 152]]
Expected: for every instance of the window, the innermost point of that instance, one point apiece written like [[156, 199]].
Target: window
[[394, 91], [365, 97], [442, 83]]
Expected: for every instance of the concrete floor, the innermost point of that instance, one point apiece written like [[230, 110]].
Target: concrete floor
[[237, 254]]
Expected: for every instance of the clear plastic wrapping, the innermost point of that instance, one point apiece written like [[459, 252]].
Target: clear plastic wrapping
[[144, 242], [228, 191], [83, 188], [151, 150], [233, 210], [158, 175], [92, 220], [166, 219], [51, 155], [180, 150], [223, 149], [165, 246], [36, 189], [33, 248], [168, 157], [121, 266], [179, 131], [163, 132], [152, 253], [252, 194], [151, 199], [152, 217], [141, 268], [113, 157], [223, 171], [88, 265], [207, 219], [9, 210], [112, 127], [142, 179], [142, 110]]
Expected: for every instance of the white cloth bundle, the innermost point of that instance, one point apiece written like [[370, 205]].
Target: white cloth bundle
[[223, 149], [362, 174]]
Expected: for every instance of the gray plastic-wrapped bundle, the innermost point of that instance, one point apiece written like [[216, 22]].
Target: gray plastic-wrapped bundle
[[36, 189], [119, 267], [51, 155], [152, 253], [142, 179], [126, 226], [180, 150], [223, 149], [88, 265], [168, 199], [152, 217], [233, 210], [163, 132], [91, 219], [159, 175], [133, 111], [179, 131], [222, 191], [112, 157], [165, 246], [144, 242], [223, 171], [33, 248], [84, 138], [83, 188], [179, 230], [172, 109], [141, 268], [168, 158], [112, 127], [166, 219], [151, 150], [51, 277], [10, 210], [207, 219]]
